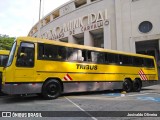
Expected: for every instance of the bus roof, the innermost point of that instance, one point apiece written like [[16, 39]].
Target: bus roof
[[4, 52], [46, 41]]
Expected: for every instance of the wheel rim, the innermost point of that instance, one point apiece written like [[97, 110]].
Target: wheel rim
[[52, 89], [136, 85], [126, 86]]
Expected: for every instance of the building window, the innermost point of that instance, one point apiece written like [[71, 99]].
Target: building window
[[79, 3], [134, 0], [145, 27]]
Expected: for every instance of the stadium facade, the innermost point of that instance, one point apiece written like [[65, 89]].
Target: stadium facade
[[125, 25]]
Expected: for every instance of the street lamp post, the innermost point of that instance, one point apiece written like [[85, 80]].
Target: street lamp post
[[39, 24]]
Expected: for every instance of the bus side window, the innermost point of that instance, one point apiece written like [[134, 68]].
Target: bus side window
[[112, 58], [80, 58], [120, 59], [84, 55], [97, 57], [116, 60], [126, 60], [62, 53], [148, 62], [137, 61], [94, 56], [89, 59], [106, 58], [72, 54], [50, 52], [100, 57], [40, 51]]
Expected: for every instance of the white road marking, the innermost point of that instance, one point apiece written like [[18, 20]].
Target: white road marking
[[81, 108], [135, 95]]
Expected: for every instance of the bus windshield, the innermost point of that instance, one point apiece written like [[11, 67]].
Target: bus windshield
[[11, 55], [3, 60]]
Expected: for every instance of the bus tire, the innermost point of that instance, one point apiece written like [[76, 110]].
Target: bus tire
[[127, 85], [137, 85], [51, 89]]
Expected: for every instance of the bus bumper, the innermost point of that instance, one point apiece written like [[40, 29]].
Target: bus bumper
[[24, 88]]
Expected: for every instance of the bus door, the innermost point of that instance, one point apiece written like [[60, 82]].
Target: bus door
[[24, 71]]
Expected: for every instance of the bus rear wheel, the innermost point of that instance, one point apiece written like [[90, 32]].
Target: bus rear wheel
[[51, 89], [127, 85], [137, 85]]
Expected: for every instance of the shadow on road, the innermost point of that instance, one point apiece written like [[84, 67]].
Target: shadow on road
[[92, 93], [147, 89], [29, 98], [20, 99]]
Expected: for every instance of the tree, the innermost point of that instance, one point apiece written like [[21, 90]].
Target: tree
[[6, 42]]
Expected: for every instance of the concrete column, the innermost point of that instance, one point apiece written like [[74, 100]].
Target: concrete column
[[39, 25], [51, 17], [88, 39], [34, 30], [159, 45], [158, 63], [44, 22], [159, 52], [132, 45], [71, 39], [118, 11], [107, 37]]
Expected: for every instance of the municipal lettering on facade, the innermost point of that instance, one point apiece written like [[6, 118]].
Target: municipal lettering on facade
[[87, 22]]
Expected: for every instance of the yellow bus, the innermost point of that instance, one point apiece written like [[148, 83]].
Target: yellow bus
[[50, 68], [3, 60]]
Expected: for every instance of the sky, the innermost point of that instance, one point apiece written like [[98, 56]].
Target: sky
[[18, 16]]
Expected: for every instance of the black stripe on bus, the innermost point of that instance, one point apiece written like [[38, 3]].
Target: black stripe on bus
[[89, 73]]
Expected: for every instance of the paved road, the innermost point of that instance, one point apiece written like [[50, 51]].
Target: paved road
[[147, 100]]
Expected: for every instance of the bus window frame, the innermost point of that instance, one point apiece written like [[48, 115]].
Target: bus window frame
[[13, 55]]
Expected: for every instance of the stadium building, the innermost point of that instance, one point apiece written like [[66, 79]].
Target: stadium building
[[125, 25]]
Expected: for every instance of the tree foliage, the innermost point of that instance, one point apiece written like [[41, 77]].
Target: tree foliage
[[6, 42]]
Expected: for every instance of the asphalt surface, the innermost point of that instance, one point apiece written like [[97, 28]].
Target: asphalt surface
[[142, 102]]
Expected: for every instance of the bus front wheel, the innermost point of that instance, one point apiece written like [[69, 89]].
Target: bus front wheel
[[127, 85], [137, 85], [51, 89]]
